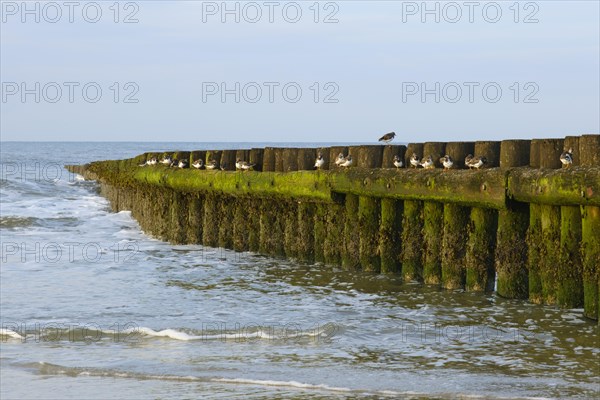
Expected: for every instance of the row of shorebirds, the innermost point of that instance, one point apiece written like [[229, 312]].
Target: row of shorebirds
[[447, 161], [415, 161], [198, 164]]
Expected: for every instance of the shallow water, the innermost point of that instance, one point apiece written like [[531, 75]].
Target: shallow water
[[93, 308]]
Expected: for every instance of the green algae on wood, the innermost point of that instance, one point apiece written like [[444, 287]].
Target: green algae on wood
[[433, 229], [412, 240], [290, 228], [511, 252], [210, 224], [306, 231], [550, 250], [590, 250], [534, 253], [569, 279], [333, 245], [351, 253], [368, 228], [480, 250], [456, 220], [390, 231]]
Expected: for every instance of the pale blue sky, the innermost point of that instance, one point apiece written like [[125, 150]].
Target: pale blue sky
[[370, 54]]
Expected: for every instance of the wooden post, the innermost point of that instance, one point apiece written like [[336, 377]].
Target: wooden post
[[389, 152], [325, 151], [268, 162], [534, 253], [334, 243], [210, 225], [306, 231], [436, 150], [228, 160], [390, 234], [550, 151], [456, 220], [240, 226], [290, 228], [368, 230], [271, 229], [333, 154], [569, 270], [416, 148], [490, 150], [350, 256], [480, 250], [253, 224], [589, 150], [256, 157], [320, 231], [412, 241], [195, 218], [511, 247], [459, 151], [433, 228], [306, 159], [290, 159], [279, 159], [226, 222], [243, 155], [369, 156], [197, 155], [572, 142]]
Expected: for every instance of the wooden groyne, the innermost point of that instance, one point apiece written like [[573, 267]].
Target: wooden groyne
[[524, 225]]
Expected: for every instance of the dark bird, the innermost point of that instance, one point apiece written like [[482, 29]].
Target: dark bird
[[566, 158], [183, 164], [477, 162], [211, 165], [388, 137]]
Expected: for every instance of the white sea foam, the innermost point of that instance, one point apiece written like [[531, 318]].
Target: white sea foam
[[294, 384], [9, 333]]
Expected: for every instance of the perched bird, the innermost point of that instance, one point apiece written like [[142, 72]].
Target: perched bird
[[414, 160], [243, 165], [166, 160], [320, 161], [152, 161], [468, 160], [198, 164], [183, 164], [174, 163], [398, 163], [478, 162], [388, 137], [211, 165], [566, 158], [340, 159], [347, 162], [447, 162], [427, 163]]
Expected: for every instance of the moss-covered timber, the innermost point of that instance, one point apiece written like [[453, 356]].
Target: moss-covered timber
[[290, 228], [390, 231], [484, 188], [210, 225], [569, 270], [568, 186], [306, 231], [351, 253], [480, 250], [412, 241], [368, 229], [454, 245], [550, 252], [590, 246], [433, 229], [534, 253], [511, 252], [333, 245]]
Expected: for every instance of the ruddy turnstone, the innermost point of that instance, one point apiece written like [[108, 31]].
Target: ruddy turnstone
[[347, 162], [447, 162], [174, 163], [388, 137], [340, 159], [427, 163], [198, 164], [414, 160], [243, 165], [468, 160], [167, 160], [566, 158], [320, 161], [152, 161], [477, 162], [183, 164], [398, 163], [211, 165]]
